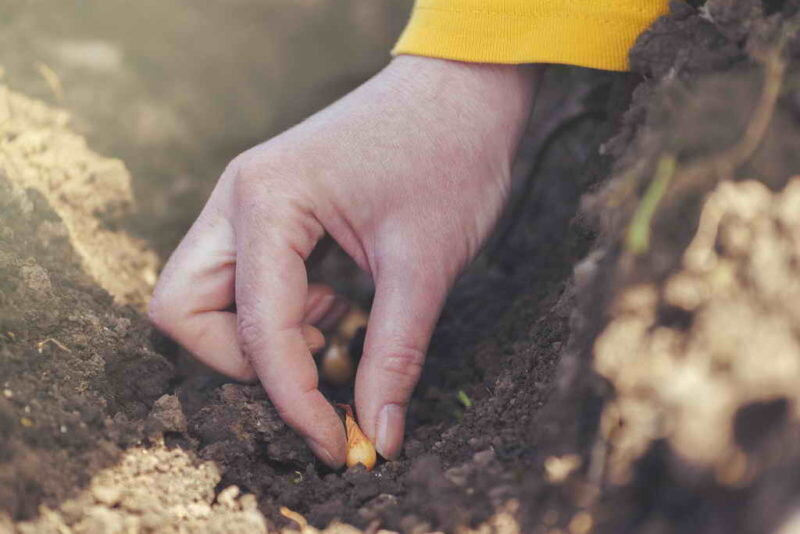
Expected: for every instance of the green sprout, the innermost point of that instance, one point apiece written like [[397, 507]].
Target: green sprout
[[638, 238], [464, 399]]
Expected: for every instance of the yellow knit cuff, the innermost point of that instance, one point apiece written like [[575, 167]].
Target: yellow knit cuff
[[591, 33]]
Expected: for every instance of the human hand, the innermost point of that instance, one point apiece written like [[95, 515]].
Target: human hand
[[408, 173]]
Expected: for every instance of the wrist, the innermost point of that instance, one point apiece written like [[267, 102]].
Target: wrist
[[497, 99]]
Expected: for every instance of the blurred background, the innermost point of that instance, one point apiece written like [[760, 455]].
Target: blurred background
[[176, 88]]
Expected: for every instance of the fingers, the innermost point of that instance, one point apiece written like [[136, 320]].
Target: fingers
[[271, 295], [313, 338], [320, 301], [193, 292], [404, 313]]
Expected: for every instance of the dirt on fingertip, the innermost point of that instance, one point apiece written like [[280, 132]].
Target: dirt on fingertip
[[623, 357]]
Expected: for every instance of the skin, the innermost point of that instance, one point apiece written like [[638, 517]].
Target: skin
[[408, 173]]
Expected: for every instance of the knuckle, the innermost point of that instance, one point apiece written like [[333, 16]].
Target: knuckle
[[288, 409], [249, 179], [284, 411], [404, 363], [264, 171], [250, 334], [254, 171], [232, 168]]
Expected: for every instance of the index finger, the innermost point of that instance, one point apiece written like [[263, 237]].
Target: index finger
[[271, 290]]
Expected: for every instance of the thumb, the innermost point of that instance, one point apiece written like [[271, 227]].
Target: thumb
[[404, 312]]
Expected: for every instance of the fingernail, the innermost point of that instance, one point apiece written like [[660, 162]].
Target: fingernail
[[322, 453], [318, 308], [314, 339], [391, 421], [334, 313], [326, 302]]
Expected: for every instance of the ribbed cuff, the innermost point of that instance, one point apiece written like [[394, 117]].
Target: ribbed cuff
[[541, 31]]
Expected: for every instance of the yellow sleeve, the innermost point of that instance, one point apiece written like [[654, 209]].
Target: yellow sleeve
[[588, 33]]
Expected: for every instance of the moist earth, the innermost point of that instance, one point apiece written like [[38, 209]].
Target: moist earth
[[624, 356]]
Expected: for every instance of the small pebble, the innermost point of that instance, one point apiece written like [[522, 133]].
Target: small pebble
[[484, 457], [108, 495], [227, 497], [248, 502], [198, 509], [581, 523]]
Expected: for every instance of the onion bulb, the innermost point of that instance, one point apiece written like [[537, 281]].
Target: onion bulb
[[338, 368], [360, 450]]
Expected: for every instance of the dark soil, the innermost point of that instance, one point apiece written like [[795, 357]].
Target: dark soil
[[678, 346], [602, 367]]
